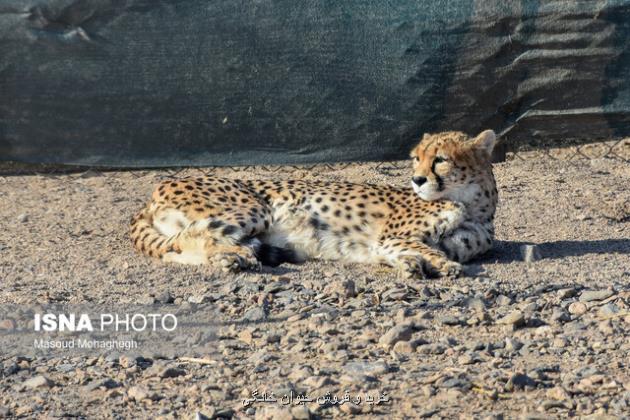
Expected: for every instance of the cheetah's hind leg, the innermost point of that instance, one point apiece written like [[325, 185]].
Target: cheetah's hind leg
[[211, 241]]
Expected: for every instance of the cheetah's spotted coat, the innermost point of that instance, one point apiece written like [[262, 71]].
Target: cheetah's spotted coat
[[445, 218]]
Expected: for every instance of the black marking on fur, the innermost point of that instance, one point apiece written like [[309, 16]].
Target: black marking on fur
[[273, 256], [215, 224], [229, 229]]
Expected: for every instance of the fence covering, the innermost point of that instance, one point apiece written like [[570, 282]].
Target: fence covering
[[130, 83]]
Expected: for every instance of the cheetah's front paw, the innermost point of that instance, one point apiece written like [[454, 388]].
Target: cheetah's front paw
[[450, 269], [234, 262], [410, 266]]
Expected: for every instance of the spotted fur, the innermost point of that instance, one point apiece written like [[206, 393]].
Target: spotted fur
[[443, 219]]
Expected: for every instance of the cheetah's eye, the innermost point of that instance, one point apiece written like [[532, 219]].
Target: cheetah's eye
[[415, 159], [439, 159]]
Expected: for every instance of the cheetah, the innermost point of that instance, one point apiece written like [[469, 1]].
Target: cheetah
[[444, 218]]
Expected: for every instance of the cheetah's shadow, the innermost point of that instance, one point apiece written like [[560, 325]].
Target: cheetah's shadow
[[505, 252]]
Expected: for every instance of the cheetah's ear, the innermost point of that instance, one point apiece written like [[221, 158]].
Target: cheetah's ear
[[412, 153], [485, 141]]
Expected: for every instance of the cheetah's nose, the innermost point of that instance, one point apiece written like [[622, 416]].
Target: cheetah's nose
[[419, 180]]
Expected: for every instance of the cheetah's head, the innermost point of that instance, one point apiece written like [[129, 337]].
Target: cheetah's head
[[453, 166]]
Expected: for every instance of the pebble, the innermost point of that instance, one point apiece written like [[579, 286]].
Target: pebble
[[405, 347], [502, 300], [394, 335], [515, 318], [138, 393], [255, 314], [512, 345], [519, 382], [366, 368], [7, 325], [106, 383], [577, 308], [246, 337], [39, 381], [450, 320], [171, 372], [608, 309], [559, 316], [558, 393], [595, 295], [164, 298], [22, 218], [434, 348], [344, 288], [530, 253], [567, 293]]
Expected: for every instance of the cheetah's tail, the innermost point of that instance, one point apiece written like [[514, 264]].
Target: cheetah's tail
[[147, 239], [273, 256]]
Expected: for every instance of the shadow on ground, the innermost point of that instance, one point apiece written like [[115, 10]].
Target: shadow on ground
[[505, 252]]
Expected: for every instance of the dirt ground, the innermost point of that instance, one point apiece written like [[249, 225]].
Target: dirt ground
[[509, 339]]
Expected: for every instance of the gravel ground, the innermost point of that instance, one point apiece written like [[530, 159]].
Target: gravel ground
[[542, 339]]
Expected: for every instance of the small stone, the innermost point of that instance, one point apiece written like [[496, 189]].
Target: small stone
[[344, 288], [22, 218], [455, 383], [502, 300], [107, 383], [608, 309], [577, 308], [277, 286], [206, 414], [366, 368], [146, 300], [468, 359], [404, 347], [246, 337], [450, 320], [606, 327], [7, 325], [559, 343], [164, 298], [558, 393], [595, 295], [476, 304], [518, 382], [255, 314], [65, 367], [530, 253], [512, 345], [199, 299], [127, 361], [567, 293], [138, 393], [428, 391], [394, 335], [550, 404], [39, 381], [171, 372], [434, 348], [515, 318], [559, 316]]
